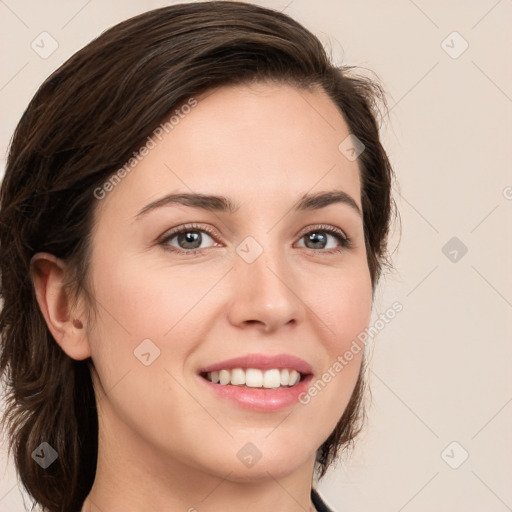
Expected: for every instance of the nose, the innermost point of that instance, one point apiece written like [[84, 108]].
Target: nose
[[265, 293]]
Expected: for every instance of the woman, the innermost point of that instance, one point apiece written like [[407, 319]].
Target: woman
[[193, 221]]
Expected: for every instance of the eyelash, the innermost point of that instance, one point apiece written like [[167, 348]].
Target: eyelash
[[344, 241]]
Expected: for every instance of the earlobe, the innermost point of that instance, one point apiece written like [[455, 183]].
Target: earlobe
[[62, 316]]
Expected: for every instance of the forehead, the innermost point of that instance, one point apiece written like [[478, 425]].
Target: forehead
[[266, 141]]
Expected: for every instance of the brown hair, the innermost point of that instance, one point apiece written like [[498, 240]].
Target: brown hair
[[83, 124]]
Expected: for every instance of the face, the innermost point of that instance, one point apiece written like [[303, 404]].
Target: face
[[190, 291]]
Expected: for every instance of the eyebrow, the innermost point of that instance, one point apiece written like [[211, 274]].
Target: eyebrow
[[214, 203]]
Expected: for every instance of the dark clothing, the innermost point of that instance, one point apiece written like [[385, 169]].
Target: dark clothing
[[320, 506]]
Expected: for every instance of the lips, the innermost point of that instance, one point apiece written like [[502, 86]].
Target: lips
[[262, 362], [255, 378], [258, 382]]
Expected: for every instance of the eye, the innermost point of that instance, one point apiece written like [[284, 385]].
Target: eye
[[187, 239], [319, 239]]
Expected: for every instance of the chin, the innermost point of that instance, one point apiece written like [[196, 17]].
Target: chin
[[261, 461]]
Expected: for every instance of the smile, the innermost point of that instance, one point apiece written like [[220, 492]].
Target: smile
[[258, 382], [255, 377]]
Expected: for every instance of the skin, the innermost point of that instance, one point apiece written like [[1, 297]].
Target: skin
[[164, 442]]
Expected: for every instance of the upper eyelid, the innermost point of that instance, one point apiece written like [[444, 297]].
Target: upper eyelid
[[326, 227], [212, 232], [171, 233]]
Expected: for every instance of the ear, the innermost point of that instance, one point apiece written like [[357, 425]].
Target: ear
[[64, 319]]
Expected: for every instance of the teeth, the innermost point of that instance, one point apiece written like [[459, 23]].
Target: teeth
[[237, 377], [294, 378], [224, 377], [255, 378], [272, 379]]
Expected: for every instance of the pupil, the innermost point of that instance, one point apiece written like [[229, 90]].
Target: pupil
[[319, 238], [191, 238]]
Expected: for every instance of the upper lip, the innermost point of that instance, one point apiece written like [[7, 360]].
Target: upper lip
[[261, 361]]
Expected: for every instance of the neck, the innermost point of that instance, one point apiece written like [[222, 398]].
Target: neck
[[142, 479], [140, 491]]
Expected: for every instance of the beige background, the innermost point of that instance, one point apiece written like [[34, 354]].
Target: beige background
[[441, 368]]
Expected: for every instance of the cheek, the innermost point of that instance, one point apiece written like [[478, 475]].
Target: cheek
[[343, 304], [139, 300], [339, 304], [148, 300], [175, 306], [145, 317], [344, 307]]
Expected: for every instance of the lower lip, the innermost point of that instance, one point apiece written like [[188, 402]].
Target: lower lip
[[260, 399]]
